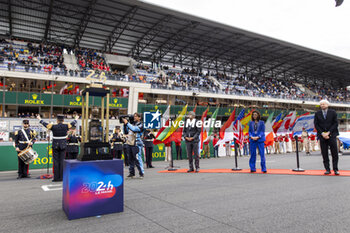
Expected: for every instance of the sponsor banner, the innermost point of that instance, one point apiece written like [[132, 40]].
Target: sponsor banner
[[8, 157], [37, 99]]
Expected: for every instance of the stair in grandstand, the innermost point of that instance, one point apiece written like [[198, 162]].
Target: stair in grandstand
[[122, 63], [305, 89], [70, 61], [216, 82]]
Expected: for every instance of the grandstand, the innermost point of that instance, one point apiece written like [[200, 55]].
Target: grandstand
[[152, 56]]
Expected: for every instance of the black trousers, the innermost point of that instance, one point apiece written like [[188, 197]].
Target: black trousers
[[117, 153], [72, 155], [22, 168], [178, 152], [148, 152], [192, 148], [126, 156], [133, 161], [58, 158], [332, 144]]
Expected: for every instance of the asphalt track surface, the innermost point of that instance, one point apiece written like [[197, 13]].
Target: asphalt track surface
[[203, 202]]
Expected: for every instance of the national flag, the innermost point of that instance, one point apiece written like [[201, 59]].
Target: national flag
[[124, 92], [268, 124], [201, 139], [286, 122], [238, 129], [64, 89], [212, 120], [226, 131], [344, 137], [227, 124], [292, 123], [175, 124], [277, 123], [177, 135], [306, 122], [195, 108], [269, 139], [165, 126], [245, 121]]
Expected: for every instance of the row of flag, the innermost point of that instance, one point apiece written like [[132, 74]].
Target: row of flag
[[235, 127]]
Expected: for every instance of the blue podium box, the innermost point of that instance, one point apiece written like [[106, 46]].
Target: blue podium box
[[92, 188]]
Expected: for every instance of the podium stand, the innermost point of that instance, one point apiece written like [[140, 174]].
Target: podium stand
[[92, 188]]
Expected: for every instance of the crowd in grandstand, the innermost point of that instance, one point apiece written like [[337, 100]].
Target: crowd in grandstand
[[90, 59], [48, 58], [33, 57]]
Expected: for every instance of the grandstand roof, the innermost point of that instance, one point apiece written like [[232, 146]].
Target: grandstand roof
[[150, 32]]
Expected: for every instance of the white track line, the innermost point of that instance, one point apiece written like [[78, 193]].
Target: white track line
[[48, 187]]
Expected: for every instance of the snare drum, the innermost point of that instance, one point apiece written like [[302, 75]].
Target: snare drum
[[28, 155]]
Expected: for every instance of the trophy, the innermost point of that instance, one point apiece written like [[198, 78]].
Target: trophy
[[94, 133]]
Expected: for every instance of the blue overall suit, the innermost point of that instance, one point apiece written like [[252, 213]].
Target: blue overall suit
[[257, 130]]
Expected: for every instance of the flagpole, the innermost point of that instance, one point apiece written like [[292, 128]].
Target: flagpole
[[298, 169], [236, 168], [171, 164]]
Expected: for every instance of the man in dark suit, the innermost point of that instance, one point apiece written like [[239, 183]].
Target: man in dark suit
[[326, 124], [191, 135]]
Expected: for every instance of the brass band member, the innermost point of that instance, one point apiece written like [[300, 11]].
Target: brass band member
[[59, 143], [148, 138], [117, 141], [72, 143], [24, 138]]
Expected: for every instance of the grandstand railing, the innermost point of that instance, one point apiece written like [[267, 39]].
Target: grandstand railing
[[149, 80]]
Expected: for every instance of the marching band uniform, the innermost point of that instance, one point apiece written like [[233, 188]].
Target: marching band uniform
[[293, 143], [288, 144], [207, 148], [277, 146], [301, 144], [313, 142], [148, 138], [228, 148], [22, 139], [117, 141], [305, 137], [281, 142], [59, 144], [216, 147], [73, 145]]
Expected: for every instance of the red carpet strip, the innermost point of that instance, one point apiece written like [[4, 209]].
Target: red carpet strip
[[269, 171]]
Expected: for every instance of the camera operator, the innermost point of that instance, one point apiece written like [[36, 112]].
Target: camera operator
[[134, 143]]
